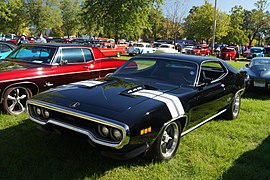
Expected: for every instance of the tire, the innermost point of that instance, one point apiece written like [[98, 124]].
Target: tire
[[165, 146], [15, 98], [234, 108]]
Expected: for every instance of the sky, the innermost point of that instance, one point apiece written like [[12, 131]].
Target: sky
[[225, 5], [222, 5]]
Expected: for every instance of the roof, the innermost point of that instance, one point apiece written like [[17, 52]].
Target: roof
[[197, 59], [54, 45]]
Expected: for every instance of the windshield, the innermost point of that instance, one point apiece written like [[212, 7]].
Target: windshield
[[256, 62], [256, 50], [34, 54], [176, 72]]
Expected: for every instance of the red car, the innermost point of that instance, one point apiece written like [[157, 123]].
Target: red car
[[227, 53], [33, 68], [201, 50], [110, 49]]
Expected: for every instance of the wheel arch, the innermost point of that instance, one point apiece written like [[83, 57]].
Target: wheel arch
[[32, 86]]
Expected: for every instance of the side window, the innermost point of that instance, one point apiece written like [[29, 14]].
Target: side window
[[87, 54], [5, 48], [72, 55], [212, 69]]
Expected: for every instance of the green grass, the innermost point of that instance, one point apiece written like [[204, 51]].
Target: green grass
[[220, 149]]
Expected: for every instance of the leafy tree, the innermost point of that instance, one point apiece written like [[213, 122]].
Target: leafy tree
[[5, 16], [70, 11], [199, 23], [256, 21], [126, 18], [44, 14], [19, 15], [236, 35]]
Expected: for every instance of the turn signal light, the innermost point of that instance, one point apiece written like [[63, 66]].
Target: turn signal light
[[146, 130]]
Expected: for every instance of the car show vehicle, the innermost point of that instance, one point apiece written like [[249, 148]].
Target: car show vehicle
[[227, 53], [6, 49], [166, 48], [145, 106], [33, 68], [256, 52], [140, 48], [201, 50], [258, 73], [111, 49]]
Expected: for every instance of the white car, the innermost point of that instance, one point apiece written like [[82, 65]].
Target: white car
[[185, 49], [166, 48], [140, 48]]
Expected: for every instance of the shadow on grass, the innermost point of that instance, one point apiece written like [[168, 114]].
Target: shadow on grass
[[27, 153], [257, 93], [252, 165]]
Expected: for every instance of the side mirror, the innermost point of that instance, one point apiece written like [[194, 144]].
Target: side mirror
[[207, 80], [247, 65], [63, 62]]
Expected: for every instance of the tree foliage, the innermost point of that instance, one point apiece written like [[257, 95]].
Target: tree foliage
[[199, 23]]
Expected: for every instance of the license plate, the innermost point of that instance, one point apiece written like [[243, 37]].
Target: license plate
[[259, 83]]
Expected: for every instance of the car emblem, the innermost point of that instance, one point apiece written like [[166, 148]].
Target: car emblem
[[74, 104]]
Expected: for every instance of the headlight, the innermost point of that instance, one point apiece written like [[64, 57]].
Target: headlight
[[46, 113], [103, 130], [116, 134], [38, 111]]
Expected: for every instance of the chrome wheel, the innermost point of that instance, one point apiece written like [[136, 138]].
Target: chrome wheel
[[118, 54], [236, 105], [15, 100], [169, 140]]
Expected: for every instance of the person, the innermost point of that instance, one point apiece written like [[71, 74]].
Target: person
[[40, 39], [22, 40]]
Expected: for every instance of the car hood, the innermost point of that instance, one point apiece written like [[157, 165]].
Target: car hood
[[259, 71], [108, 98]]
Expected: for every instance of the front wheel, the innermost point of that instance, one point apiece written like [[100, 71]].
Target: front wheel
[[165, 146], [234, 108], [15, 100]]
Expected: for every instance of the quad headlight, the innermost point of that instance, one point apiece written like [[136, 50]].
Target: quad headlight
[[41, 112], [110, 132]]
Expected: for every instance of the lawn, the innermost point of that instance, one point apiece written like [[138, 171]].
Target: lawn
[[220, 149]]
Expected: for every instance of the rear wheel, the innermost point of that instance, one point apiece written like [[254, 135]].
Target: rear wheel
[[167, 142], [234, 108], [15, 100]]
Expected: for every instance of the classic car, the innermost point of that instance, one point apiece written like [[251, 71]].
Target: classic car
[[140, 48], [201, 50], [256, 52], [143, 107], [166, 48], [111, 49], [186, 48], [6, 49], [258, 73], [33, 68], [227, 53]]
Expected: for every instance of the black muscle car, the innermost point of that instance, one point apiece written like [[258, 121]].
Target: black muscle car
[[258, 73], [145, 106]]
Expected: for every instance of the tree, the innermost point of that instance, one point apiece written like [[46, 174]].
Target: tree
[[126, 18], [20, 17], [5, 16], [44, 14], [256, 21], [70, 11], [236, 35], [199, 23]]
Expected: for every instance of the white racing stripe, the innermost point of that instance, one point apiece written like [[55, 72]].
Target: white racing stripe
[[88, 83], [173, 103]]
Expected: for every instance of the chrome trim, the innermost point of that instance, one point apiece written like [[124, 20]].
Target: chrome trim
[[87, 116], [203, 122]]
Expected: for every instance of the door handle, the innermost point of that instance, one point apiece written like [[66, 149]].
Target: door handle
[[222, 85]]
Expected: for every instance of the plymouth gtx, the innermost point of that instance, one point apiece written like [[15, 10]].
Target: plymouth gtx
[[145, 107], [33, 68]]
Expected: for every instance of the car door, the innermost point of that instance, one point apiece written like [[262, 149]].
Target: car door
[[212, 94], [74, 64]]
